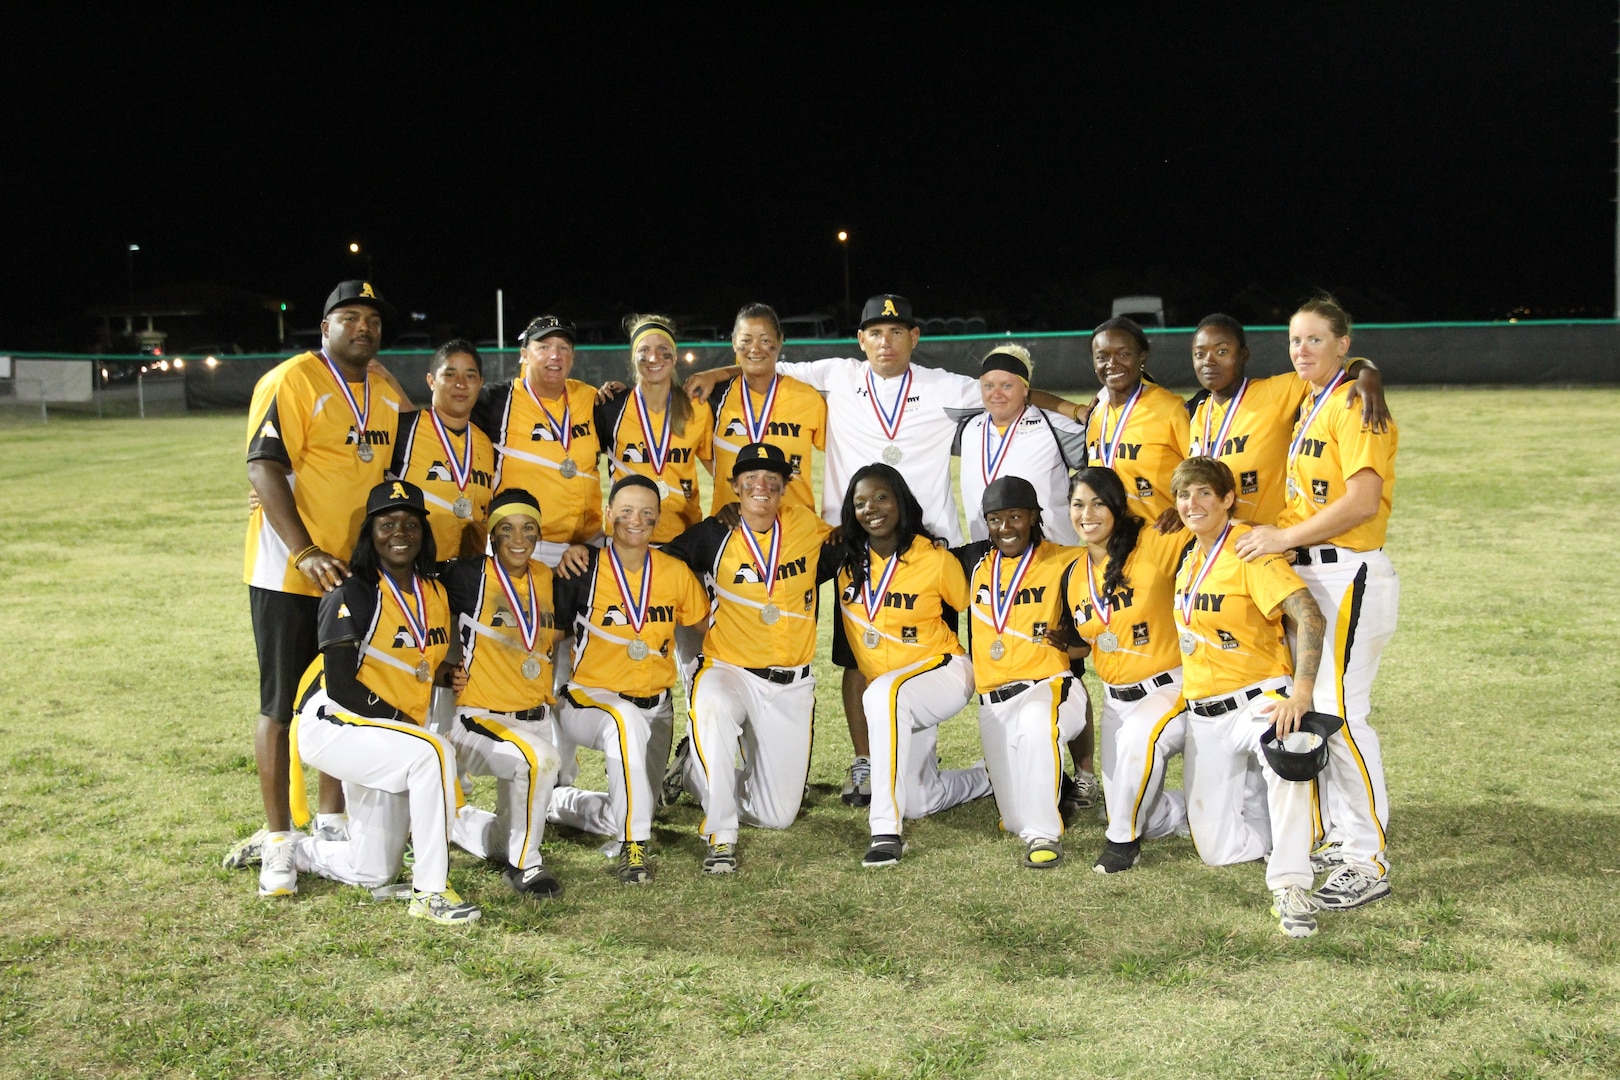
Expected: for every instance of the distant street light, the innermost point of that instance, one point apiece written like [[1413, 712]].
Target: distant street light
[[129, 258], [354, 249], [843, 242]]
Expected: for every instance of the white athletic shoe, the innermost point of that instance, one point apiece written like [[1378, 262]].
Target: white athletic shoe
[[1295, 911], [1088, 789], [858, 783], [246, 852], [1326, 855], [445, 907], [721, 859], [331, 827], [276, 874], [1350, 886]]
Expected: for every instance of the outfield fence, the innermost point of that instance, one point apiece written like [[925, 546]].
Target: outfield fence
[[1567, 352]]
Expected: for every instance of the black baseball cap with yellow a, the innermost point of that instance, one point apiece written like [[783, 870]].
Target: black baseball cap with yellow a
[[887, 307], [358, 292], [761, 455], [395, 495]]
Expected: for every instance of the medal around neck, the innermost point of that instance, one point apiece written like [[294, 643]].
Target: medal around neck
[[568, 468], [637, 650], [531, 668], [462, 507]]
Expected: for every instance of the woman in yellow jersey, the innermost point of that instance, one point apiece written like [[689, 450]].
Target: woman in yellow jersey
[[450, 458], [1119, 595], [1241, 684], [891, 590], [1247, 422], [384, 636], [1138, 428], [505, 609], [1030, 703], [1341, 486]]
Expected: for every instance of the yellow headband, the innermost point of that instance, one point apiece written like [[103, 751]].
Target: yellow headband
[[644, 332], [512, 509]]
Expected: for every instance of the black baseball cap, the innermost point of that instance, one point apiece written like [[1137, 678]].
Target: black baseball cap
[[1304, 764], [887, 307], [759, 455], [1010, 493], [544, 326], [358, 292], [395, 495]]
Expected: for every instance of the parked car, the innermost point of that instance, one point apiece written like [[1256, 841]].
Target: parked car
[[809, 326], [1144, 310]]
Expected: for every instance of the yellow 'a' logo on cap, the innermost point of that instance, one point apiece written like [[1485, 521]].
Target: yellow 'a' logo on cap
[[888, 307], [365, 290], [399, 491]]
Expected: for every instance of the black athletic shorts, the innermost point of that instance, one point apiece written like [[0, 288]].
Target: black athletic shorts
[[844, 657], [284, 634]]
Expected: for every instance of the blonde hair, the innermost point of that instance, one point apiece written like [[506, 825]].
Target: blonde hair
[[1323, 305]]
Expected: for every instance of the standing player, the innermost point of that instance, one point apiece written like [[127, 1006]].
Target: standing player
[[384, 636], [892, 589], [1138, 428], [442, 452], [884, 408], [1119, 596], [544, 429], [1247, 422], [320, 432], [753, 695], [761, 405], [623, 610], [1030, 703], [1240, 684], [504, 607], [1341, 485]]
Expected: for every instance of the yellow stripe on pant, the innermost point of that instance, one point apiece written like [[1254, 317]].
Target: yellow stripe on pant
[[1147, 765], [624, 753], [894, 726], [500, 732], [697, 744]]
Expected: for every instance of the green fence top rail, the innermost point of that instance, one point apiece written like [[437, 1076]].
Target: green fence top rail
[[1024, 335]]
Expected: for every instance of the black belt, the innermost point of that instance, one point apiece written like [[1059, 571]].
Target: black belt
[[1138, 691], [1221, 706], [1011, 690], [1302, 556], [536, 715], [781, 676], [645, 702]]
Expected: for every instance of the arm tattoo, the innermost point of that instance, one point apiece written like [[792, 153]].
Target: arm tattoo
[[1309, 626]]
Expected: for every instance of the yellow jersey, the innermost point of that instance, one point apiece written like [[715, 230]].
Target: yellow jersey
[[1236, 618], [392, 657], [552, 460], [1252, 431], [301, 419], [1142, 442], [909, 625], [795, 420], [436, 459], [1325, 452], [630, 451], [506, 649], [1019, 651], [592, 607], [1140, 615]]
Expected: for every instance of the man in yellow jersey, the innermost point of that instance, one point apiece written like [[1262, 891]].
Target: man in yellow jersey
[[622, 611], [1341, 487], [1030, 703], [504, 607], [753, 695], [762, 405], [1247, 422], [442, 452], [544, 430], [320, 434]]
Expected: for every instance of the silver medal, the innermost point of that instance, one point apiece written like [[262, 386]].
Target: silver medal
[[423, 672], [637, 650], [1107, 641], [1292, 489], [997, 649], [363, 452], [568, 468], [531, 668], [870, 639], [1188, 642], [769, 614], [891, 454], [462, 507], [663, 490]]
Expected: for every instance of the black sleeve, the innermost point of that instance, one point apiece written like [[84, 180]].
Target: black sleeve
[[490, 408], [969, 555], [606, 415], [346, 613], [341, 663], [1196, 400], [267, 444], [698, 546], [717, 398], [830, 561], [570, 595], [461, 579], [402, 445]]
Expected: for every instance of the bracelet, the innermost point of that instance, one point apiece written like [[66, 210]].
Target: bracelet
[[306, 553]]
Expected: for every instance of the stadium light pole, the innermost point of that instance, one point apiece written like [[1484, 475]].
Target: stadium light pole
[[843, 242], [129, 261]]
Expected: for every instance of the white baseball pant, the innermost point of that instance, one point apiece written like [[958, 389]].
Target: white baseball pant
[[1359, 594], [400, 782], [1023, 737], [1143, 725], [520, 756], [1230, 821], [750, 746], [904, 709], [634, 737]]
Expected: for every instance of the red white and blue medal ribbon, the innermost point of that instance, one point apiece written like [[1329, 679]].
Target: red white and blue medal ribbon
[[767, 571], [564, 431], [889, 419], [1185, 602], [657, 452], [1298, 442], [636, 613], [871, 600], [991, 465], [1214, 449], [528, 625], [415, 620], [1001, 602], [361, 411], [1104, 611], [1109, 448], [757, 430], [460, 471]]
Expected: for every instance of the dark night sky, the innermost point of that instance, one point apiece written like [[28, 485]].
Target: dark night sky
[[1433, 160]]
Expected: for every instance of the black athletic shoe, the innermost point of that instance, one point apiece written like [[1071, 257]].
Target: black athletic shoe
[[1116, 858], [536, 881], [885, 850]]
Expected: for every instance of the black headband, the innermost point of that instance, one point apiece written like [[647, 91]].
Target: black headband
[[1003, 361]]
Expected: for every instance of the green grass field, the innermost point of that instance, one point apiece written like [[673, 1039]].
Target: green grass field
[[127, 697]]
